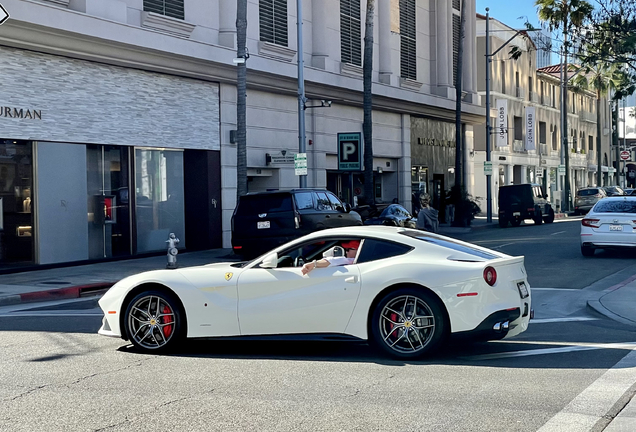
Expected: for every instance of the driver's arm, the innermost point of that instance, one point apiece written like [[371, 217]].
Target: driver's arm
[[314, 264]]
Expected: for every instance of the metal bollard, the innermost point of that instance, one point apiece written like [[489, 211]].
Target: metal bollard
[[172, 241]]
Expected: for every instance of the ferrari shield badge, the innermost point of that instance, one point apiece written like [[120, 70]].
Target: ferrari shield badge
[[228, 276]]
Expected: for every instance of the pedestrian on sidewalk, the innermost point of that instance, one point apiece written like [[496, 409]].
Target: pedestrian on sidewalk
[[428, 217]]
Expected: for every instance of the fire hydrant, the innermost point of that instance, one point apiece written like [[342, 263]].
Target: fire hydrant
[[172, 241]]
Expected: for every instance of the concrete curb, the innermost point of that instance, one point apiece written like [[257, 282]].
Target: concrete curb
[[56, 294], [597, 306]]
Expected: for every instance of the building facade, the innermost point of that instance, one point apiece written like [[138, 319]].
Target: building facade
[[526, 138], [118, 115]]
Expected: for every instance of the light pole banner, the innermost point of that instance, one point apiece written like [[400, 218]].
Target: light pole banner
[[502, 123], [530, 128]]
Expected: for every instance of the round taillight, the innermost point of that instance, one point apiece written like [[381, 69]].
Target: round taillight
[[490, 276]]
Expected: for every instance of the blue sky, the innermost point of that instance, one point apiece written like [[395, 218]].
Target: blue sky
[[507, 11]]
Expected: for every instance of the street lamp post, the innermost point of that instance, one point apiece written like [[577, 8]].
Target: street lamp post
[[301, 88]]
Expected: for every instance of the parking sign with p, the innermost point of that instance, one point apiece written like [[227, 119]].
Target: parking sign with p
[[350, 151]]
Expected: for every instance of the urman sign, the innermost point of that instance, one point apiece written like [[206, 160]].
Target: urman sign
[[4, 15]]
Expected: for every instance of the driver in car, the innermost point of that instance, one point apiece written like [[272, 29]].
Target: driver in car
[[350, 248]]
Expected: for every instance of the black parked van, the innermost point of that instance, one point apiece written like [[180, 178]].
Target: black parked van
[[524, 201], [265, 220]]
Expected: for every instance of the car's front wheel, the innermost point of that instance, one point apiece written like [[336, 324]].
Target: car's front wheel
[[154, 321], [408, 323]]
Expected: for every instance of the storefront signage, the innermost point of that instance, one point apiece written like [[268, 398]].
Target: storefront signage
[[4, 15], [20, 113], [530, 128], [350, 151], [435, 142], [501, 129]]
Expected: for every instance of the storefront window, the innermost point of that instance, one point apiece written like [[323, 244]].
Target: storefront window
[[108, 201], [159, 198], [16, 202], [419, 179]]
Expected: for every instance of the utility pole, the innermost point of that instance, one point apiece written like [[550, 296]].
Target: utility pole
[[301, 88], [241, 85], [488, 140]]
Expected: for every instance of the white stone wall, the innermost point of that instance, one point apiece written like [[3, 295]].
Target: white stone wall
[[87, 102]]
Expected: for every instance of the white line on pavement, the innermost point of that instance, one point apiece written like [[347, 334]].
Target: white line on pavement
[[596, 401], [554, 289], [564, 319], [50, 314], [559, 232], [541, 351]]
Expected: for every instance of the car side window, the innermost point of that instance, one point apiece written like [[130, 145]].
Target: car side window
[[372, 250], [322, 201], [304, 200], [335, 202]]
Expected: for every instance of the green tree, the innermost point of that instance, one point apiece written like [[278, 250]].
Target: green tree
[[367, 104], [241, 78]]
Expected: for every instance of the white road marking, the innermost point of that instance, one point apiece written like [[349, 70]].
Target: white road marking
[[506, 244], [563, 319], [593, 403], [560, 232], [554, 289], [564, 349], [50, 314]]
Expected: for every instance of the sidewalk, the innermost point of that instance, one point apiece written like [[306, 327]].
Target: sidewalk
[[78, 281]]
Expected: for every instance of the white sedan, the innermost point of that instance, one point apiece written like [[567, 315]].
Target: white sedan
[[406, 292], [611, 223]]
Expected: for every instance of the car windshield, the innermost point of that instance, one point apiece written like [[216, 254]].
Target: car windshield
[[421, 235], [615, 206], [587, 192]]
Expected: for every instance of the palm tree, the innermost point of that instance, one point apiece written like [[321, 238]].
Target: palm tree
[[241, 78], [598, 78], [367, 104], [567, 16]]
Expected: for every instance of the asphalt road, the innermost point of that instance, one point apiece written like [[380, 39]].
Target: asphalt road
[[57, 374]]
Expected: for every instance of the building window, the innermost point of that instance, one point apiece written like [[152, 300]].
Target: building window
[[408, 55], [169, 8], [542, 133], [456, 4], [456, 35], [554, 137], [350, 32], [273, 21], [590, 143]]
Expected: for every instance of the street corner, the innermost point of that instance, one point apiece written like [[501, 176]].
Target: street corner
[[76, 291]]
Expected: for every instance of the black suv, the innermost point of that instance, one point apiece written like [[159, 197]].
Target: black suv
[[265, 220], [524, 201]]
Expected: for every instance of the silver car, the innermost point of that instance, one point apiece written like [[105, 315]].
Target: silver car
[[586, 198], [610, 224]]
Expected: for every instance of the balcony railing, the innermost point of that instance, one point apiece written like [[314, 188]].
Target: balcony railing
[[534, 97], [519, 92], [587, 116], [517, 146], [543, 148]]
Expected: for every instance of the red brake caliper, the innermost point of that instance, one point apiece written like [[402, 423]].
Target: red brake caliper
[[168, 319], [394, 319]]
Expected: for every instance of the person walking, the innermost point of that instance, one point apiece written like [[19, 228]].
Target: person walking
[[428, 217]]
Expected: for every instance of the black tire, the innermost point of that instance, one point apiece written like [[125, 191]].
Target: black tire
[[154, 321], [538, 219], [587, 251], [503, 222], [394, 317], [515, 222], [550, 217]]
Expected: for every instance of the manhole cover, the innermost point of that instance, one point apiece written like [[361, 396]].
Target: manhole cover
[[55, 283]]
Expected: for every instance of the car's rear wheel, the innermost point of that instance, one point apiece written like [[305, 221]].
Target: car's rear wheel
[[503, 222], [587, 251], [408, 323], [550, 217], [154, 321], [538, 219]]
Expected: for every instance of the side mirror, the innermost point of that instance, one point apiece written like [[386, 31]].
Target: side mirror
[[336, 251], [270, 261], [346, 207]]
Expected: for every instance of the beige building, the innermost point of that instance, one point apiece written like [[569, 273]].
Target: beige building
[[523, 154]]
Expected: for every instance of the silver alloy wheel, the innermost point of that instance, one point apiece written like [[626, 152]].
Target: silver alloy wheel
[[151, 322], [407, 324]]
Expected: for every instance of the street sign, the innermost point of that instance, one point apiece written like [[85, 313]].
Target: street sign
[[625, 155], [300, 164], [4, 15], [487, 168], [350, 151], [611, 170], [561, 169]]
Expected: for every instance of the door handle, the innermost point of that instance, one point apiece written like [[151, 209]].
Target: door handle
[[351, 279]]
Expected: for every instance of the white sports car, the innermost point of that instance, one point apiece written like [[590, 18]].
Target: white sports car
[[406, 291], [611, 223]]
